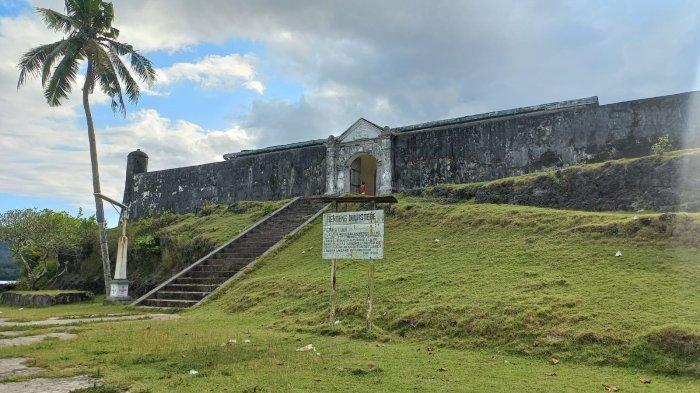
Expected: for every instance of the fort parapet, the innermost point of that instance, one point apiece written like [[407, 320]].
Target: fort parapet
[[460, 150]]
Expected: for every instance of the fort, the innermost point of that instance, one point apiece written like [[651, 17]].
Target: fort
[[393, 159]]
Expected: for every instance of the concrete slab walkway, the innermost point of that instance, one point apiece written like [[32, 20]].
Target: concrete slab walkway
[[10, 367], [54, 385], [70, 321], [26, 340]]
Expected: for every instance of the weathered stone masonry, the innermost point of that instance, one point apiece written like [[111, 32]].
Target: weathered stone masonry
[[467, 149], [267, 176]]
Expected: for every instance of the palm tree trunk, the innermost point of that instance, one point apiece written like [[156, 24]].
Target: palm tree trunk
[[99, 208]]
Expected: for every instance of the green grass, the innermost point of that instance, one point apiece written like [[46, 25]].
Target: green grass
[[481, 309], [524, 280], [150, 356], [82, 309]]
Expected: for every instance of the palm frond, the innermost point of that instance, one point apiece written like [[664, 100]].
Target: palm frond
[[104, 16], [32, 61], [72, 6], [63, 77], [63, 47], [106, 75], [90, 36], [111, 87], [139, 63], [91, 9], [132, 88], [57, 21]]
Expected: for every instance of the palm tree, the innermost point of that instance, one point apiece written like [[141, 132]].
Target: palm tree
[[88, 38]]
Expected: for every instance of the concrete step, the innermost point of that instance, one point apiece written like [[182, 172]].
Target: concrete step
[[268, 234], [174, 303], [289, 221], [200, 280], [282, 226], [247, 253], [219, 267], [178, 295], [190, 287], [252, 242], [247, 247], [218, 260], [222, 274]]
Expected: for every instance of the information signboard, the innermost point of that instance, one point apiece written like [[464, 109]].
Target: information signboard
[[353, 235]]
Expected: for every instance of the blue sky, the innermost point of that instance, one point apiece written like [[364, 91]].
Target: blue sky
[[242, 74], [210, 108]]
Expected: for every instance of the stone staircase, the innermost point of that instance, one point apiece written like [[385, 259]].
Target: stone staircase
[[196, 282]]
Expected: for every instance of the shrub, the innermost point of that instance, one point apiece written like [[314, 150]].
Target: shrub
[[662, 145], [267, 209], [147, 243], [45, 242]]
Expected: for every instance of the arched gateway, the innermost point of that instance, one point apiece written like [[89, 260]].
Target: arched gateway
[[363, 169], [361, 154]]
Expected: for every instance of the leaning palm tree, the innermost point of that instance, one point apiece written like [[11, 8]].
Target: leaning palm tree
[[90, 39]]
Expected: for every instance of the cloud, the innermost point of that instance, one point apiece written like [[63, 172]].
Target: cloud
[[395, 62], [403, 61], [44, 150], [59, 165], [214, 72]]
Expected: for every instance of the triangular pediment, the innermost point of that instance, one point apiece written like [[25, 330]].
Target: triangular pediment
[[361, 129]]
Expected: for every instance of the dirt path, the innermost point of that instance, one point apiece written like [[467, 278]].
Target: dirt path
[[70, 321], [26, 340]]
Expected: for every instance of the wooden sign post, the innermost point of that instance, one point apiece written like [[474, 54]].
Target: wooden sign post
[[370, 295], [370, 277], [334, 266], [353, 235]]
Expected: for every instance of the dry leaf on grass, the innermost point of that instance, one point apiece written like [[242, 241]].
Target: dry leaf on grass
[[553, 360], [610, 387]]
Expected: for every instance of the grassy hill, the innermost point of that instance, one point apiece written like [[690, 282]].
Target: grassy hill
[[523, 280], [470, 297]]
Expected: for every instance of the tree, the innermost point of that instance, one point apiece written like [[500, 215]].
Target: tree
[[45, 242], [88, 38]]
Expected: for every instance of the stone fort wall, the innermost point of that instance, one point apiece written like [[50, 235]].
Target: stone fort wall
[[473, 148], [268, 176], [583, 132]]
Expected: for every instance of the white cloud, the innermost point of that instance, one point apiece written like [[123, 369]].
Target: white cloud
[[393, 62], [44, 150], [405, 61], [214, 72], [54, 160]]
